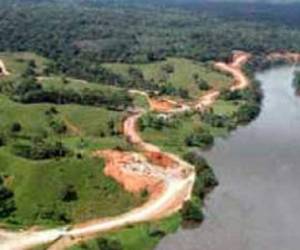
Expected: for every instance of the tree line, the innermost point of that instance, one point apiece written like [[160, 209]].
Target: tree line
[[80, 37]]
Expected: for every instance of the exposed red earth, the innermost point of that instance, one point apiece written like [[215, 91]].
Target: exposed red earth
[[288, 56], [168, 179], [234, 68]]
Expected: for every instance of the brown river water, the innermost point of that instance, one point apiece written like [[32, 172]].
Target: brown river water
[[257, 204]]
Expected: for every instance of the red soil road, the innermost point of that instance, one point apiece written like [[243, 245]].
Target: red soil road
[[288, 56], [162, 105], [235, 69]]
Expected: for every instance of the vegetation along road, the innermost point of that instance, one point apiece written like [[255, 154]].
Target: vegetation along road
[[171, 178]]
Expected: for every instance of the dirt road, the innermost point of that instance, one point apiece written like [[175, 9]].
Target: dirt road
[[235, 69], [3, 70], [178, 180], [178, 184], [288, 56]]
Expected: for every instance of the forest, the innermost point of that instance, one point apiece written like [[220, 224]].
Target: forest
[[80, 35]]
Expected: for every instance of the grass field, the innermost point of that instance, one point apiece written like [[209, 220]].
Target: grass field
[[90, 121], [182, 75], [16, 63], [58, 82], [172, 139], [38, 185], [137, 237]]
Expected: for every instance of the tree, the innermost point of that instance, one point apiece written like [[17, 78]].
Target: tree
[[40, 150], [16, 127], [200, 139], [7, 204], [168, 68], [30, 69], [218, 120], [203, 85], [247, 112], [58, 126], [109, 244], [2, 140], [191, 210], [112, 127], [65, 80], [296, 81], [69, 194], [196, 77], [195, 158]]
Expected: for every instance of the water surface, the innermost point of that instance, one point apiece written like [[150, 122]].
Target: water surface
[[257, 205]]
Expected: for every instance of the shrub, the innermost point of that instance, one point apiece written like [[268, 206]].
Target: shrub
[[200, 139], [217, 120], [69, 194], [296, 81], [108, 244], [16, 127], [40, 150], [203, 85], [2, 140], [168, 68], [58, 126], [157, 122], [206, 178], [196, 160], [29, 91], [228, 95], [191, 210], [247, 112], [156, 232], [7, 204]]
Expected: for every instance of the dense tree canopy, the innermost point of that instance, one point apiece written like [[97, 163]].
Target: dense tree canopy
[[79, 37]]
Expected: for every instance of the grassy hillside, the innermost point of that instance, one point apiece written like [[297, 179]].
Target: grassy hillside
[[143, 236], [172, 136], [40, 185], [176, 72]]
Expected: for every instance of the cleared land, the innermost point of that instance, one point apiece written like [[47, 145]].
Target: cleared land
[[177, 72], [176, 176], [39, 185]]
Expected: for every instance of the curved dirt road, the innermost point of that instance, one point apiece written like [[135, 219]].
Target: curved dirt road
[[178, 184], [177, 180], [235, 69]]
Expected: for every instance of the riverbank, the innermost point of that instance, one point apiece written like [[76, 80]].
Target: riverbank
[[257, 166]]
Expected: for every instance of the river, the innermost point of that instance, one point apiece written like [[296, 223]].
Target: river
[[257, 204]]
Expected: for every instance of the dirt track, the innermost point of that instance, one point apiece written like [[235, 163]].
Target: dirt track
[[3, 70], [234, 69], [175, 181], [290, 57]]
